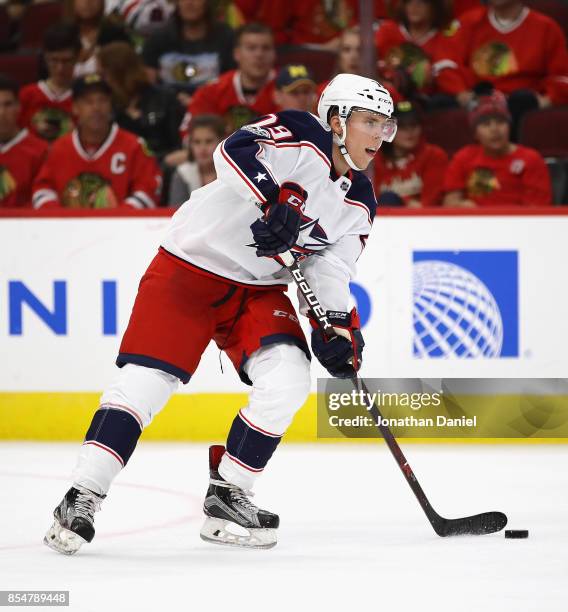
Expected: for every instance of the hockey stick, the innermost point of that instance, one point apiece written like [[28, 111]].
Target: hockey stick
[[479, 524]]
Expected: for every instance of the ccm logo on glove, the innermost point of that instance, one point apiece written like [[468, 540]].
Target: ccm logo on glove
[[340, 355], [279, 228], [294, 200]]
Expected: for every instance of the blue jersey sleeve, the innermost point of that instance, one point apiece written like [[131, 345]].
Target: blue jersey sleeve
[[242, 153], [361, 194], [240, 160]]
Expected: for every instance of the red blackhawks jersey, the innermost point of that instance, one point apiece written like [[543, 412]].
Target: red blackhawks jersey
[[425, 60], [120, 172], [45, 113], [519, 178], [459, 7], [225, 97], [528, 53], [300, 22], [20, 161], [418, 176]]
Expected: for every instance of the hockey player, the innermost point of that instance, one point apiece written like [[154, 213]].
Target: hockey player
[[290, 181]]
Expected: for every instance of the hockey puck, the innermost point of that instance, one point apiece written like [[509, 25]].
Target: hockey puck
[[516, 534]]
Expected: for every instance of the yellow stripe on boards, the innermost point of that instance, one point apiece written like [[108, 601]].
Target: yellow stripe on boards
[[200, 417]]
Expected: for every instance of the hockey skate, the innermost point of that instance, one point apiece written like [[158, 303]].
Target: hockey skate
[[227, 505], [74, 521]]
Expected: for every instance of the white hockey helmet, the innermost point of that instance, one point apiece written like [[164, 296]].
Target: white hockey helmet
[[351, 91]]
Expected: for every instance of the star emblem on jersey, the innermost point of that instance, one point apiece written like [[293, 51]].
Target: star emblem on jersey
[[260, 177], [312, 238], [312, 235]]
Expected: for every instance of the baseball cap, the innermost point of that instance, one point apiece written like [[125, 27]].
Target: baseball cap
[[493, 105], [406, 113], [293, 75], [88, 83]]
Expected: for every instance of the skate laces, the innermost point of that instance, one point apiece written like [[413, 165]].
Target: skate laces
[[87, 503], [241, 496]]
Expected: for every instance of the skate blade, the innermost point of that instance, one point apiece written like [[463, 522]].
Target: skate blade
[[63, 540], [215, 531]]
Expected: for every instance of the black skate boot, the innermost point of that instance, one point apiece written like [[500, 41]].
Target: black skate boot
[[226, 503], [74, 520]]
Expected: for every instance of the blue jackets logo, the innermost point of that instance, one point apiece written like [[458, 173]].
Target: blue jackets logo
[[465, 304]]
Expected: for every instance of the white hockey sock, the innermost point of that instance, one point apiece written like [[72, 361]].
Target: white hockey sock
[[127, 406], [96, 469], [237, 475]]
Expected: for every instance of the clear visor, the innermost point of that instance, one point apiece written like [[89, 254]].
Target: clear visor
[[373, 124]]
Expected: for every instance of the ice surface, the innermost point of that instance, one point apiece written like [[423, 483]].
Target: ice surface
[[352, 534]]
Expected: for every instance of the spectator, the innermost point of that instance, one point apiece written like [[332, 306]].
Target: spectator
[[205, 133], [349, 52], [191, 49], [295, 89], [98, 165], [349, 60], [313, 22], [409, 171], [95, 31], [413, 50], [143, 17], [517, 50], [46, 106], [241, 95], [348, 55], [140, 107], [21, 153], [496, 171]]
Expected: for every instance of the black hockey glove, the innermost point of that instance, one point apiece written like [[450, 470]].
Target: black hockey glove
[[339, 356], [278, 230]]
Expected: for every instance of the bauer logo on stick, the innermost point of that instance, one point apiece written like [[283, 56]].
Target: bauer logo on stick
[[310, 298]]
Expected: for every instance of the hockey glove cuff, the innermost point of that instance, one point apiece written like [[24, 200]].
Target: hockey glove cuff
[[278, 230], [340, 356]]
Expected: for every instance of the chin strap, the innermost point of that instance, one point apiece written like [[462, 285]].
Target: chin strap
[[340, 142]]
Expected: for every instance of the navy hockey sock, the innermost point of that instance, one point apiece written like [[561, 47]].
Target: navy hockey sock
[[250, 445], [117, 431]]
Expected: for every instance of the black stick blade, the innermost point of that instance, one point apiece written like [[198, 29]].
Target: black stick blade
[[480, 524]]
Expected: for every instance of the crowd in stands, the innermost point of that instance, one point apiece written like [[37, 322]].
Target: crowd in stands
[[122, 103]]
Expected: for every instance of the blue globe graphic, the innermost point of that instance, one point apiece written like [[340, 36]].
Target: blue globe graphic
[[454, 313]]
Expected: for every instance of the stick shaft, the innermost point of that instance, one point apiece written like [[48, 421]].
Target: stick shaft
[[320, 316]]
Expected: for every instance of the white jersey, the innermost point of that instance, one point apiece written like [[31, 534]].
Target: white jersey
[[212, 231]]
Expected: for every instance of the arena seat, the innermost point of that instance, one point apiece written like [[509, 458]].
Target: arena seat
[[448, 128], [546, 130], [321, 62], [37, 19], [22, 67]]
